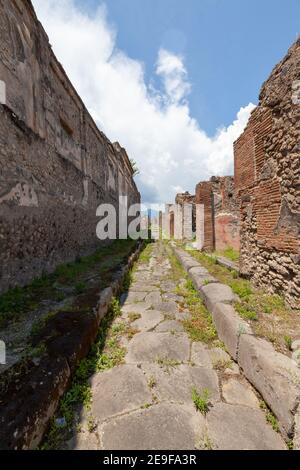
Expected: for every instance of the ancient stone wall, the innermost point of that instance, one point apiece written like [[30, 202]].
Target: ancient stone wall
[[221, 213], [56, 167], [267, 178], [188, 214]]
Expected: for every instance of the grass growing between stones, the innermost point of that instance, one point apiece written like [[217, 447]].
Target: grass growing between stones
[[268, 314], [270, 418], [201, 400], [199, 326], [145, 256], [105, 354], [17, 302], [229, 253]]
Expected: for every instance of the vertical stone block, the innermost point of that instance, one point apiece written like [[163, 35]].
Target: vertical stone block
[[2, 92]]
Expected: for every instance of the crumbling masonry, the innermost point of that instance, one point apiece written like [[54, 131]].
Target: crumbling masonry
[[56, 167], [258, 210], [221, 226], [267, 179]]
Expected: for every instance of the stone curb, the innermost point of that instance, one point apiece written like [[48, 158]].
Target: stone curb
[[274, 375], [24, 430]]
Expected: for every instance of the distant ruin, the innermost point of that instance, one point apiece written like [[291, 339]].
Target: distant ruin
[[258, 210], [56, 166]]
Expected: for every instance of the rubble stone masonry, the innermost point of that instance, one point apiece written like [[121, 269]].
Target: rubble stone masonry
[[267, 179], [56, 167]]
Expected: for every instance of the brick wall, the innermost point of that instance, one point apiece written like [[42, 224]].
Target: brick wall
[[56, 167], [221, 213], [267, 178]]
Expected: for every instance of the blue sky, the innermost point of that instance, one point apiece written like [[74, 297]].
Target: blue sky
[[230, 46], [174, 81]]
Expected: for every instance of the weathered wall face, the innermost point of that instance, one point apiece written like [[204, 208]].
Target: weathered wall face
[[221, 213], [56, 166], [188, 214], [267, 177]]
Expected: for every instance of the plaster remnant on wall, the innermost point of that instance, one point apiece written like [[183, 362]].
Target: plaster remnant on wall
[[2, 92], [21, 195], [85, 198]]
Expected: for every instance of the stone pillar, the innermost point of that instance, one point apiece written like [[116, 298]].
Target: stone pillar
[[200, 226]]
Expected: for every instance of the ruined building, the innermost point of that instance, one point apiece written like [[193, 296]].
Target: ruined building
[[179, 220], [267, 179], [56, 166], [221, 218], [258, 210]]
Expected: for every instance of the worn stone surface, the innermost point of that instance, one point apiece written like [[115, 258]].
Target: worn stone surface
[[147, 402], [169, 326], [230, 327], [200, 355], [170, 307], [297, 430], [164, 426], [200, 277], [239, 427], [274, 375], [239, 392], [216, 293], [139, 307], [296, 345], [153, 298], [148, 321], [219, 356], [149, 347], [119, 390], [133, 297], [175, 383]]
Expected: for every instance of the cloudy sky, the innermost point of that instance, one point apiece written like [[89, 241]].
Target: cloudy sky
[[174, 81]]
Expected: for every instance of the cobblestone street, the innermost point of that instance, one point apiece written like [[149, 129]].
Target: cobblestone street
[[171, 392]]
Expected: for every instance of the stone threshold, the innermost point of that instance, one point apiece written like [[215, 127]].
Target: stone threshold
[[275, 376], [42, 385]]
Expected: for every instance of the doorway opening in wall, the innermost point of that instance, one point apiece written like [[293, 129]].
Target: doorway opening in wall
[[172, 225]]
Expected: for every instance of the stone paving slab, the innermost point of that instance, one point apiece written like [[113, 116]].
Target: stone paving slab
[[167, 307], [175, 383], [132, 297], [147, 402], [140, 307], [161, 427], [119, 390], [200, 355], [239, 392], [149, 347], [149, 320], [274, 375], [240, 427], [216, 293], [153, 298], [230, 327], [169, 326], [137, 287]]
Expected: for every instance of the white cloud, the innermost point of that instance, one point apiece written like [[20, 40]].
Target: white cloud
[[157, 129], [171, 68]]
